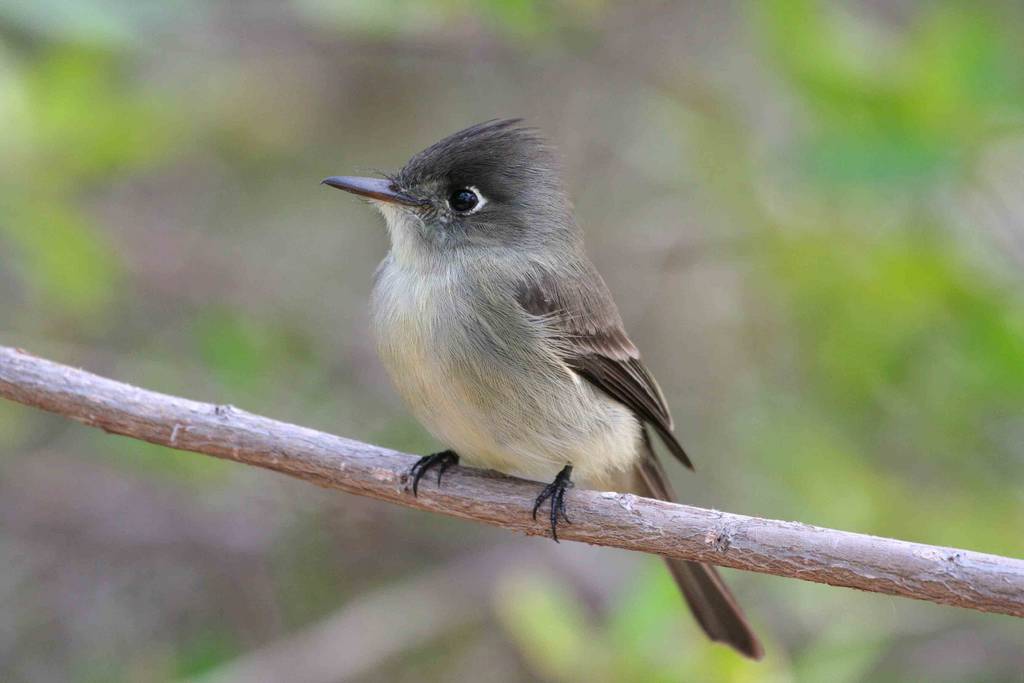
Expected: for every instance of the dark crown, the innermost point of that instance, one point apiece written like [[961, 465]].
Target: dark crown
[[499, 156]]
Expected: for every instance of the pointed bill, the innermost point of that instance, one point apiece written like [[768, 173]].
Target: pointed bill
[[378, 189]]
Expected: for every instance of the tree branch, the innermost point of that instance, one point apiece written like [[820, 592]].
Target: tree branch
[[988, 583]]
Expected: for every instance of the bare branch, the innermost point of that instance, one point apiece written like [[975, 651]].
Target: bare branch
[[988, 583]]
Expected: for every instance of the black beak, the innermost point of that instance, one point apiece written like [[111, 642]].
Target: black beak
[[379, 189]]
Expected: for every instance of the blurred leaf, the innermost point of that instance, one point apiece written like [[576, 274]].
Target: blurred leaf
[[845, 659], [547, 624], [68, 264], [88, 121], [900, 348], [203, 651], [240, 351], [646, 625], [517, 17], [73, 120], [525, 20], [895, 108], [15, 118], [647, 635]]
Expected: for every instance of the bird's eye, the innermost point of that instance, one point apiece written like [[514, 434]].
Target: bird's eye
[[464, 200]]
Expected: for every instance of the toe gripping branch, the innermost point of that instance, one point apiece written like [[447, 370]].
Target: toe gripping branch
[[442, 460], [556, 492]]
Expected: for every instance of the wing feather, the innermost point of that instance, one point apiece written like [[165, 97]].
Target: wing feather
[[580, 310]]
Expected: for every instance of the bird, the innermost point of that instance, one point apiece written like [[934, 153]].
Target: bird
[[503, 339]]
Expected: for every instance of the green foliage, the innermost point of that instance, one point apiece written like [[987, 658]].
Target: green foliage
[[71, 120], [87, 121], [239, 351], [550, 628], [516, 20], [897, 319], [646, 635], [887, 109], [901, 358], [203, 651], [66, 265]]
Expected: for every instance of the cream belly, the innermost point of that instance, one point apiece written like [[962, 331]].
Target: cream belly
[[511, 407], [598, 437]]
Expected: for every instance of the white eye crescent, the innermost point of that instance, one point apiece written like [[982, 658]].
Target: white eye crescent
[[466, 200]]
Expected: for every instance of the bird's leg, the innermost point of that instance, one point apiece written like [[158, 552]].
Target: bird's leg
[[444, 459], [556, 492]]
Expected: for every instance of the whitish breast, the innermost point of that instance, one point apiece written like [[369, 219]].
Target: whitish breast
[[484, 382]]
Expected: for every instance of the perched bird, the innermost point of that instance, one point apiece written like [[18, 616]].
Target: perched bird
[[505, 342]]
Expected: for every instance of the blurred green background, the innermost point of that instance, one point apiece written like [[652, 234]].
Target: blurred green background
[[811, 214]]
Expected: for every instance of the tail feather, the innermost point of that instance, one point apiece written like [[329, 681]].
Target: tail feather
[[714, 607], [710, 600]]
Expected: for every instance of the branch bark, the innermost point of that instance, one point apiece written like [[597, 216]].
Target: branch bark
[[988, 583]]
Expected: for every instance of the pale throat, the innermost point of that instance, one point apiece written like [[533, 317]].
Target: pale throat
[[406, 231]]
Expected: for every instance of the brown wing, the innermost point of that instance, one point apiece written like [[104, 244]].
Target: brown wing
[[581, 310]]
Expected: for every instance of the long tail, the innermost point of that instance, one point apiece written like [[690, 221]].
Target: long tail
[[710, 600]]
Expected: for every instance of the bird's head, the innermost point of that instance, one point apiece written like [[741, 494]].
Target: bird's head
[[493, 185]]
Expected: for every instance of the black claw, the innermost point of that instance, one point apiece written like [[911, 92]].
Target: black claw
[[556, 492], [445, 459], [561, 504], [445, 464]]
